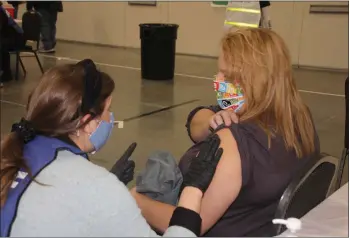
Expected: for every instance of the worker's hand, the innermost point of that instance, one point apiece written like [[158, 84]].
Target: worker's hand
[[203, 166], [223, 117], [124, 167]]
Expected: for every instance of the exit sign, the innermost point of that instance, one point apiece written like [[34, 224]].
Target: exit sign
[[219, 3]]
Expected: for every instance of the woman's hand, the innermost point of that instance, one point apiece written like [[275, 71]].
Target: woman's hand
[[124, 167], [223, 116], [202, 168]]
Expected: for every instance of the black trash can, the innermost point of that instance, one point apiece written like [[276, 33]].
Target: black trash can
[[158, 46]]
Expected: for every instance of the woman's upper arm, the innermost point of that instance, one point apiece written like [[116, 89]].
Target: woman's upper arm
[[198, 126], [226, 183], [198, 121]]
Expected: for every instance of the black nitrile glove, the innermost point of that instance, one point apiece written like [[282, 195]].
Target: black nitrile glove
[[202, 168], [124, 168]]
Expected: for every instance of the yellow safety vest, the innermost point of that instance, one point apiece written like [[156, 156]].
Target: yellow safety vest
[[242, 14]]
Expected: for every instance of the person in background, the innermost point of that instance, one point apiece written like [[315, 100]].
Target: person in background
[[11, 39], [49, 188], [265, 21], [15, 5], [266, 131], [48, 11], [242, 14]]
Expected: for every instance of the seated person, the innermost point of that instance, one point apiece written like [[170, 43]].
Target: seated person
[[11, 39], [274, 138], [15, 5]]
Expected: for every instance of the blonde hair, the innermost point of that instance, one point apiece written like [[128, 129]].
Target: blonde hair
[[259, 60]]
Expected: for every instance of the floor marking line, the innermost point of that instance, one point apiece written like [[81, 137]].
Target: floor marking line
[[152, 104], [321, 93], [177, 74], [160, 110], [12, 103]]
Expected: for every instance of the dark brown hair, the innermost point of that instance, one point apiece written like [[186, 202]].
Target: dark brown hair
[[53, 109]]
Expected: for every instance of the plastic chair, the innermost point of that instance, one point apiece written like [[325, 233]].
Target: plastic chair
[[31, 23], [345, 154], [309, 188]]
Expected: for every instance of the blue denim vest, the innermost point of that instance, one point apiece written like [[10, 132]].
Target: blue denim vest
[[38, 154]]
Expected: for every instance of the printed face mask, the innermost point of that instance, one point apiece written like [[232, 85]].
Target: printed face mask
[[100, 136], [229, 95]]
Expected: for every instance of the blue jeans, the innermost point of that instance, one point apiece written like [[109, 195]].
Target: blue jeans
[[48, 28]]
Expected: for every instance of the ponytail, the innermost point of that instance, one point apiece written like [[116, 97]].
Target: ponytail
[[11, 162]]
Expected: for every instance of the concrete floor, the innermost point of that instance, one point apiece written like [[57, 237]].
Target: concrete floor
[[322, 91]]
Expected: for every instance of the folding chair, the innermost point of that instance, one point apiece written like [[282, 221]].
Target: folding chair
[[345, 154], [308, 189], [31, 22]]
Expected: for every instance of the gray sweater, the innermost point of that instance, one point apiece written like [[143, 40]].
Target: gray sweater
[[81, 199]]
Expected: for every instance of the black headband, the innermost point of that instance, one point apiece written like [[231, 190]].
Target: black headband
[[92, 85], [91, 92]]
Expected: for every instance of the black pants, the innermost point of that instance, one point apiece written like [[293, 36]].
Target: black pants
[[9, 42]]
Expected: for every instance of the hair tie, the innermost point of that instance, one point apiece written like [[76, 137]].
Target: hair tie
[[24, 130]]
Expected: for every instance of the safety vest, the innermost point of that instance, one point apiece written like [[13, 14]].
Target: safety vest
[[242, 14], [39, 153]]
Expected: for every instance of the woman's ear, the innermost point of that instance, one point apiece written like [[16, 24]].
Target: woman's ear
[[89, 126]]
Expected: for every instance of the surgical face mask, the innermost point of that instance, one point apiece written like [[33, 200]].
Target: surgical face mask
[[229, 95], [100, 136]]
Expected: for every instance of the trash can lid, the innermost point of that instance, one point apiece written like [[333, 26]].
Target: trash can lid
[[158, 25]]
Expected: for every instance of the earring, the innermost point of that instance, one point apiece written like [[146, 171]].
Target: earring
[[78, 133]]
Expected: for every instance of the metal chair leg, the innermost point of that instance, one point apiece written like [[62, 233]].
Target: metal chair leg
[[23, 68], [39, 63], [17, 65], [341, 168]]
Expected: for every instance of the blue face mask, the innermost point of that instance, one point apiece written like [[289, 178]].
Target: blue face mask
[[100, 136]]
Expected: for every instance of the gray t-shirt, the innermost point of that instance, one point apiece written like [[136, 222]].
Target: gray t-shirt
[[78, 198]]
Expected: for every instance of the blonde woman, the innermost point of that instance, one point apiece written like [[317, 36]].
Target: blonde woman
[[273, 139]]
